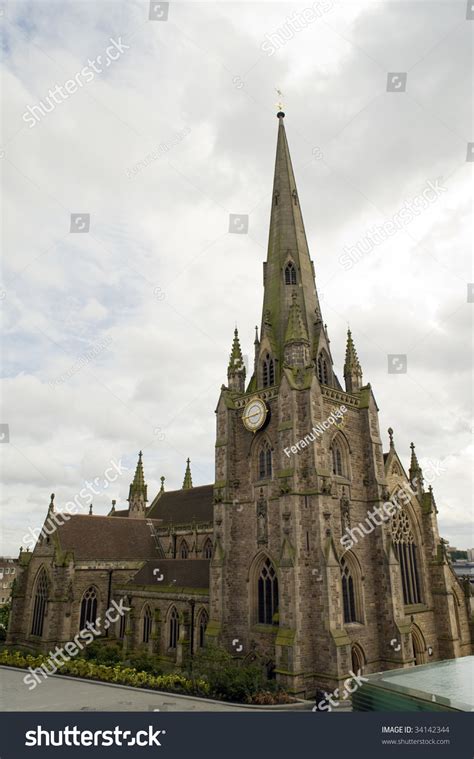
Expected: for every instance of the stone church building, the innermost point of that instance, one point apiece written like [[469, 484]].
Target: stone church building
[[256, 561]]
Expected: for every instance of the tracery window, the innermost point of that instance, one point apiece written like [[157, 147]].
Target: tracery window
[[337, 460], [147, 624], [267, 593], [265, 462], [348, 594], [290, 274], [39, 609], [173, 627], [268, 374], [203, 620], [406, 550], [88, 607]]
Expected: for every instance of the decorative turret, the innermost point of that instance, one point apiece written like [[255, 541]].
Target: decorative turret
[[162, 480], [188, 481], [296, 336], [137, 497], [416, 472], [352, 368], [51, 505], [236, 368]]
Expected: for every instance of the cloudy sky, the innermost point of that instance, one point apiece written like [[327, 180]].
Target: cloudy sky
[[118, 338]]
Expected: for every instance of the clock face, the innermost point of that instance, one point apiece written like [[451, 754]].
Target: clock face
[[254, 414]]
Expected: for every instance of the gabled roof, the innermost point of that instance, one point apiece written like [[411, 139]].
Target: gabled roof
[[107, 538], [183, 506]]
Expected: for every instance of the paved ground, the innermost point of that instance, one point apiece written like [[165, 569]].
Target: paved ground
[[71, 695]]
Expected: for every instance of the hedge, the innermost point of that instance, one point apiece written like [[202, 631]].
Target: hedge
[[121, 675]]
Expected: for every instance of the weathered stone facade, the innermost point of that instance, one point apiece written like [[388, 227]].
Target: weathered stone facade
[[294, 580]]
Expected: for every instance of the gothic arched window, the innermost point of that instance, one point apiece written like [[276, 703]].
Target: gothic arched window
[[88, 607], [268, 373], [323, 372], [39, 609], [147, 623], [352, 602], [348, 595], [406, 550], [267, 593], [290, 274], [337, 460], [207, 549], [173, 627], [265, 462], [202, 625], [183, 550]]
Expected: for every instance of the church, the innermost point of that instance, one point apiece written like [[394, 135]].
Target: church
[[259, 562]]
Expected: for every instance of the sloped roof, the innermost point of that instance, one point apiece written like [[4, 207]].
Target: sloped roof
[[183, 506], [175, 573], [107, 538]]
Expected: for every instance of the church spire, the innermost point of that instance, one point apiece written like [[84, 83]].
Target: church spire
[[288, 272], [137, 496], [188, 480], [236, 368], [352, 368], [416, 472]]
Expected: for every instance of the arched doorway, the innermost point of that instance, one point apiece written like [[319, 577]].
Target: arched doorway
[[419, 645]]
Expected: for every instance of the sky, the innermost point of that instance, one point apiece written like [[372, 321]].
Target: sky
[[118, 320]]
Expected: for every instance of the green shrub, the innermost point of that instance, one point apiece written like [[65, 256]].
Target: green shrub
[[102, 653], [231, 680], [215, 674], [144, 663]]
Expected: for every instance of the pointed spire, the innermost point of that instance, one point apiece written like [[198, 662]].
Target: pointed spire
[[137, 496], [352, 368], [288, 266], [416, 472], [51, 504], [188, 482], [162, 480], [236, 369]]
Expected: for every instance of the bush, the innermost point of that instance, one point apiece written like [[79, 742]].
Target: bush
[[231, 680], [102, 654], [120, 674], [144, 663], [215, 674]]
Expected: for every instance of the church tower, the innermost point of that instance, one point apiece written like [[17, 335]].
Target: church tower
[[293, 478], [279, 508]]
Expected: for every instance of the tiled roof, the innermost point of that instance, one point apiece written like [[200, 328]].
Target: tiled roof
[[183, 506], [110, 538], [175, 573]]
